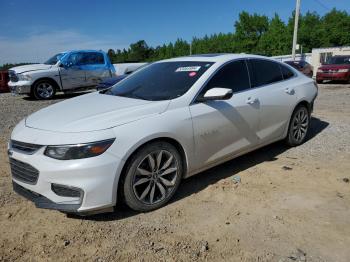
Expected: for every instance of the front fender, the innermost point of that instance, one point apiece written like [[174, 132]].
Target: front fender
[[52, 74], [175, 125]]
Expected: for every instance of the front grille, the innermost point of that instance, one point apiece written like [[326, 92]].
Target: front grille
[[13, 76], [330, 70], [23, 172], [25, 148]]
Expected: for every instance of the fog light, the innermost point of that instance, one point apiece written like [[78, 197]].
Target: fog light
[[66, 191]]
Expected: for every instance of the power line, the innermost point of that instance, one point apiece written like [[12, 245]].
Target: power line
[[322, 4]]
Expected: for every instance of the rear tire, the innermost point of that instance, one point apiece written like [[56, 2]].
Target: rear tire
[[43, 90], [298, 126], [152, 176]]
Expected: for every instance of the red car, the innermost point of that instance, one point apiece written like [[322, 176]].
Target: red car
[[338, 69], [4, 78]]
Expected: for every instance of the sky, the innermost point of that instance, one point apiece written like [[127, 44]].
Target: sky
[[32, 31]]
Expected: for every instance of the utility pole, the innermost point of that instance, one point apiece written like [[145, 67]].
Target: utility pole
[[191, 48], [296, 22]]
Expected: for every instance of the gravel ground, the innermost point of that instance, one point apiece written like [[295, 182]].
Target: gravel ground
[[292, 204]]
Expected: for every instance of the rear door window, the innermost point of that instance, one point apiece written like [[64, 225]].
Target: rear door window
[[286, 72], [233, 76], [263, 72], [92, 58]]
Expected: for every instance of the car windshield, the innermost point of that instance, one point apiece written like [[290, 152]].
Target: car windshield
[[160, 81], [339, 60], [53, 60]]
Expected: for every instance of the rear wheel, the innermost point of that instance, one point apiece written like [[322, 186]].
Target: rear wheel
[[43, 90], [298, 126], [152, 177]]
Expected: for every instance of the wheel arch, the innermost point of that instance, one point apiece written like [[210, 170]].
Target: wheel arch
[[167, 139], [302, 102], [53, 81]]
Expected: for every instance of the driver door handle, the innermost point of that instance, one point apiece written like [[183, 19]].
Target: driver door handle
[[251, 101], [289, 91]]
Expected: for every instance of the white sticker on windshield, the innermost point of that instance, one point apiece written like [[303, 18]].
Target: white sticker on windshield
[[188, 69]]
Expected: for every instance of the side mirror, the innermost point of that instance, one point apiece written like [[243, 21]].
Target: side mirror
[[216, 93], [64, 65]]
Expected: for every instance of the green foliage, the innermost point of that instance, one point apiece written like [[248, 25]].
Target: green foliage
[[253, 34], [276, 40], [336, 28], [311, 33], [249, 30]]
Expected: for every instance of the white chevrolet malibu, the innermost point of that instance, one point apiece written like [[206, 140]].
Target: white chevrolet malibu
[[170, 120]]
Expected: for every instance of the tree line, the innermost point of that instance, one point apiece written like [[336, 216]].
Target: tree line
[[253, 33]]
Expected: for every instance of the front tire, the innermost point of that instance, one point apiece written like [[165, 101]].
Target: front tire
[[43, 90], [298, 126], [152, 176]]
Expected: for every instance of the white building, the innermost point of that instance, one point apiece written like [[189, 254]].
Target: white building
[[304, 57], [318, 56]]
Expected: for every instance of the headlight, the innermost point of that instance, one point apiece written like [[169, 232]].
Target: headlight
[[66, 152], [345, 70], [22, 77], [319, 71]]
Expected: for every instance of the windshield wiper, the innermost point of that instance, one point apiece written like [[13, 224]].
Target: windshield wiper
[[133, 95]]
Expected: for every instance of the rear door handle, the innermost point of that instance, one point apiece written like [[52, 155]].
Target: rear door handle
[[251, 101], [289, 91]]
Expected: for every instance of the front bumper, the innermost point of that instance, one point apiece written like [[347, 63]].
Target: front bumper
[[96, 178], [333, 76], [20, 87], [43, 202]]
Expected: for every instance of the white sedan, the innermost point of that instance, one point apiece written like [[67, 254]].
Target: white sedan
[[172, 119]]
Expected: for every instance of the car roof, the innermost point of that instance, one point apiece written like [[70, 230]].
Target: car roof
[[83, 50], [220, 57]]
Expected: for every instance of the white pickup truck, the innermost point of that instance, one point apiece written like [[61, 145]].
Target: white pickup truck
[[68, 72]]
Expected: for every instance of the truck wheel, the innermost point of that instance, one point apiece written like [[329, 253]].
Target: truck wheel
[[319, 81], [43, 90]]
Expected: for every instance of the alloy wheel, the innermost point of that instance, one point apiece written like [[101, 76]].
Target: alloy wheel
[[155, 177], [300, 125], [45, 90]]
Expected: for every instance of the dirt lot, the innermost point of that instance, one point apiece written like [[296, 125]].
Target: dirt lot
[[293, 204]]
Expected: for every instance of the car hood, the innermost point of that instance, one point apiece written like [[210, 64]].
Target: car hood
[[330, 67], [33, 67], [93, 112]]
